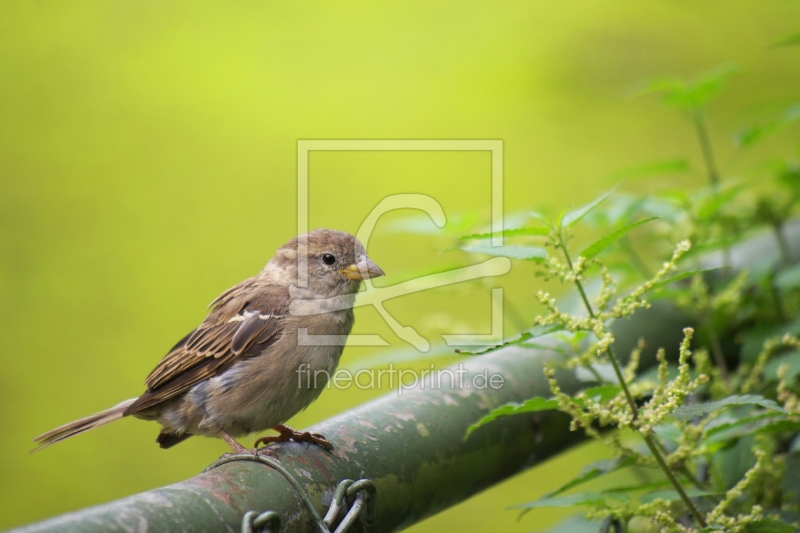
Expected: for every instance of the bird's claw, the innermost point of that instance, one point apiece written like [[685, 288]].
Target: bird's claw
[[287, 433], [320, 440]]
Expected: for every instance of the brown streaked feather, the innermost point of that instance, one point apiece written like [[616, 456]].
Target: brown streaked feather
[[248, 331], [84, 424], [219, 342], [212, 338]]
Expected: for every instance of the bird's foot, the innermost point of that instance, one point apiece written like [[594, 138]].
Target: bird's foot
[[287, 433], [237, 448]]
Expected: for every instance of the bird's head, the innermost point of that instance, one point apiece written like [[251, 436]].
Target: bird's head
[[337, 262]]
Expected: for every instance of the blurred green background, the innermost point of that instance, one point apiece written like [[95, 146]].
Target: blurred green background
[[148, 156]]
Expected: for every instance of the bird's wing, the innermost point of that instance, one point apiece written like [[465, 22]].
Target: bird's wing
[[247, 319]]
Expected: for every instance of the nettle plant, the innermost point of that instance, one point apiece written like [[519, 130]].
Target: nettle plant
[[715, 435]]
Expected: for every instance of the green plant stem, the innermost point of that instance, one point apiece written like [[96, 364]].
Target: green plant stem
[[614, 362], [777, 227], [701, 128], [632, 403], [683, 468], [590, 368], [663, 464], [596, 374]]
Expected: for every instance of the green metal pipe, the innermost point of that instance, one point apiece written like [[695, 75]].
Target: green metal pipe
[[411, 445]]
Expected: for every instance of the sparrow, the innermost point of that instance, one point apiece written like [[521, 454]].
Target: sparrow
[[237, 373]]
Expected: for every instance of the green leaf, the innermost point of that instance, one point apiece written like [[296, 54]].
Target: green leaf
[[529, 406], [575, 524], [533, 333], [672, 495], [769, 525], [662, 85], [789, 40], [521, 232], [638, 487], [762, 423], [611, 238], [669, 166], [663, 207], [594, 471], [688, 411], [522, 337], [691, 95], [542, 217], [757, 132], [710, 84], [725, 423], [582, 498], [535, 253], [758, 428], [678, 277], [730, 464], [603, 393], [711, 205], [792, 362], [572, 217]]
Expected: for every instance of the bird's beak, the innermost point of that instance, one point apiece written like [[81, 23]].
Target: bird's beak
[[364, 268]]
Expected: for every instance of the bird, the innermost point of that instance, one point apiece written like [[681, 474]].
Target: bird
[[238, 372]]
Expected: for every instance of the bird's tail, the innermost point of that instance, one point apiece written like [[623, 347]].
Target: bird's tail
[[79, 426]]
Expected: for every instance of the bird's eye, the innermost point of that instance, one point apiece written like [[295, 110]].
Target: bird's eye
[[328, 259]]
